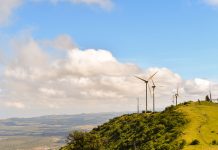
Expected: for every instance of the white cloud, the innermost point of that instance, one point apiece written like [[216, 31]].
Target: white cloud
[[18, 105], [105, 4], [212, 2], [197, 86], [51, 92], [85, 81], [62, 42], [6, 9]]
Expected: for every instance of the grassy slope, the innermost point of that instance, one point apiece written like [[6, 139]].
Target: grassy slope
[[203, 125]]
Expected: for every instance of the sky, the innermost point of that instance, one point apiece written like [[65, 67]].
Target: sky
[[81, 56]]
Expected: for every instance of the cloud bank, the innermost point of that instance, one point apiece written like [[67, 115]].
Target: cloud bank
[[212, 2], [38, 82], [6, 9]]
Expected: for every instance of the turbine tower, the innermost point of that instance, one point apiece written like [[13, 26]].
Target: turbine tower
[[153, 88], [153, 93], [173, 101], [177, 95], [146, 83], [138, 105], [210, 92]]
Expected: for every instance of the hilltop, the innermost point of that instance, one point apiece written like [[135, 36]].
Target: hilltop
[[202, 126], [191, 125]]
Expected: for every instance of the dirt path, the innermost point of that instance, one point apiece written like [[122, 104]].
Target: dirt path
[[203, 123]]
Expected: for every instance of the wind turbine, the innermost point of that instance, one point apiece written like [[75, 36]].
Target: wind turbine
[[177, 94], [146, 83], [138, 105], [153, 88], [173, 101], [153, 93], [210, 92], [210, 96]]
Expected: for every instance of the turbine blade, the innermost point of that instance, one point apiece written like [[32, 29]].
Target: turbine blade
[[149, 90], [141, 79], [173, 99], [152, 82], [177, 90], [152, 76]]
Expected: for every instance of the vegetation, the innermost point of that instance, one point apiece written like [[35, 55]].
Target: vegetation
[[195, 142], [202, 126], [207, 98], [214, 142], [147, 131], [188, 126]]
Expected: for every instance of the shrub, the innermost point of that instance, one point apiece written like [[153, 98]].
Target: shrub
[[207, 98], [214, 142], [195, 142], [187, 103], [182, 143], [78, 140]]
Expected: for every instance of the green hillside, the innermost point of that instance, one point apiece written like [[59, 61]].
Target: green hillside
[[191, 125]]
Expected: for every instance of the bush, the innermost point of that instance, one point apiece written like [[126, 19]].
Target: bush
[[195, 142], [214, 142], [79, 140], [182, 144], [187, 103], [207, 98]]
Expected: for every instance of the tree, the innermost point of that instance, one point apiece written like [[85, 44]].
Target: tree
[[207, 98], [79, 140]]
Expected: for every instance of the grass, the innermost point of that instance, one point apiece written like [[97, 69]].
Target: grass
[[203, 125]]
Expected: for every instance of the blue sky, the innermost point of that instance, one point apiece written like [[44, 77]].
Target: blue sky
[[181, 35], [177, 38]]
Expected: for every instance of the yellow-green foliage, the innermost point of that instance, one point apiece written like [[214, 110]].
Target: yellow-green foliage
[[203, 125], [153, 131], [191, 126]]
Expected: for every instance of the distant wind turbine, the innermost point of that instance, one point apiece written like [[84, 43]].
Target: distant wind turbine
[[210, 92], [153, 93], [146, 82], [177, 95], [138, 105], [153, 88], [173, 101]]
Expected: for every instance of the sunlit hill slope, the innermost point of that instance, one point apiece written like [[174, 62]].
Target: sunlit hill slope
[[191, 125]]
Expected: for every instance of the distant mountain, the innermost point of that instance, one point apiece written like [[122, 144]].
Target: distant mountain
[[46, 131]]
